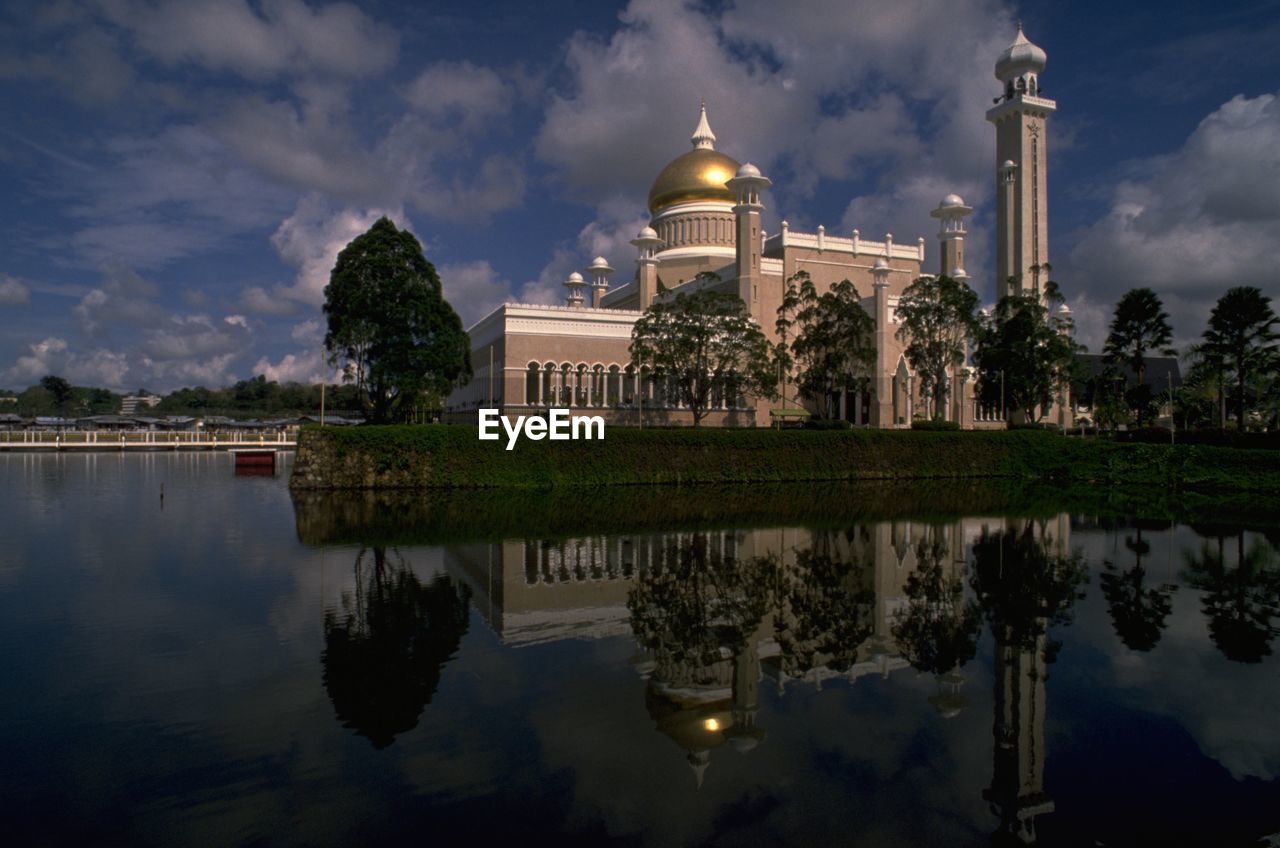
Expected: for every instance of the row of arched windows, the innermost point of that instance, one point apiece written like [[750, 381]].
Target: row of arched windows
[[606, 386]]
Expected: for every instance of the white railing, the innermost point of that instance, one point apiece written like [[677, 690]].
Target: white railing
[[143, 440]]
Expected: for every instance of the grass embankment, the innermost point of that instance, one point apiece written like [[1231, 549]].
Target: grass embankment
[[443, 456]]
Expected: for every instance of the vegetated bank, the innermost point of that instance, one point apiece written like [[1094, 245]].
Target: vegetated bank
[[452, 457]]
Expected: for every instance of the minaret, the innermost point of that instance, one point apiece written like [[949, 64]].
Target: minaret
[[575, 284], [747, 185], [882, 410], [599, 271], [647, 244], [951, 213], [1022, 201]]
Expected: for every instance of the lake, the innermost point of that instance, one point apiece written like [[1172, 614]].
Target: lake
[[191, 657]]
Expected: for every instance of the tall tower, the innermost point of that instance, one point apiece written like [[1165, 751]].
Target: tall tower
[[951, 213], [747, 185], [1022, 201]]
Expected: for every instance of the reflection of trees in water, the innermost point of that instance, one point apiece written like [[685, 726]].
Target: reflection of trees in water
[[383, 655], [937, 630], [1023, 587], [695, 603], [1241, 603], [827, 606], [1138, 611]]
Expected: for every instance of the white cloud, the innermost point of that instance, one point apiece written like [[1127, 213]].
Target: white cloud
[[311, 238], [52, 355], [279, 37], [1195, 222], [459, 91], [309, 332], [13, 292], [303, 367], [473, 289]]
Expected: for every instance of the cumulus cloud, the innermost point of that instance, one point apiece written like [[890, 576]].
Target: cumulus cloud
[[310, 240], [279, 37], [13, 292], [292, 368], [459, 91], [841, 92], [1195, 222], [473, 289], [52, 355]]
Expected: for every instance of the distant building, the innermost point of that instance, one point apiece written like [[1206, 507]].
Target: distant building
[[131, 404], [1160, 373]]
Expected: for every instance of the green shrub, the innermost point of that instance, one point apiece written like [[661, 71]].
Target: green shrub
[[450, 456], [928, 424], [827, 424]]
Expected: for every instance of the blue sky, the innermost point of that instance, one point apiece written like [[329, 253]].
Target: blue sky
[[177, 177]]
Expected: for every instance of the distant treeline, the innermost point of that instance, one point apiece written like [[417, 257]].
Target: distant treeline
[[254, 398]]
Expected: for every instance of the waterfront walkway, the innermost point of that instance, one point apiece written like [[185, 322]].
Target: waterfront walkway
[[106, 440]]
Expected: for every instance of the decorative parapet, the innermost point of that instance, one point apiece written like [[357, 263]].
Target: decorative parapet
[[855, 246]]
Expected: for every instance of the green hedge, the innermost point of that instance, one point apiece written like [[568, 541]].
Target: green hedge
[[929, 424], [450, 456]]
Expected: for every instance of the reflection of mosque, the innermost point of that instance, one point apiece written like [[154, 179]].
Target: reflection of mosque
[[837, 600]]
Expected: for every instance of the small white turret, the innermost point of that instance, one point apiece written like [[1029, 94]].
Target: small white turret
[[575, 284], [599, 270]]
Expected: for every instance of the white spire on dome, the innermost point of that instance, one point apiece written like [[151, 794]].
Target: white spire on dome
[[703, 138]]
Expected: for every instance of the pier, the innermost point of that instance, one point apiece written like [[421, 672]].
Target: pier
[[146, 440]]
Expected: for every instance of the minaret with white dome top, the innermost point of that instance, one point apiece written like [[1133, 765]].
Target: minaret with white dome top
[[951, 213], [1020, 116]]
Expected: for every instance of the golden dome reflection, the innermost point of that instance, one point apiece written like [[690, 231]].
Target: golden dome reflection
[[700, 174]]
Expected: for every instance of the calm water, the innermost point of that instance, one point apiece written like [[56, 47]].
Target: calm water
[[224, 666]]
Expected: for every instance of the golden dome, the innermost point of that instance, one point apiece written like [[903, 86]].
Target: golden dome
[[697, 175], [700, 174]]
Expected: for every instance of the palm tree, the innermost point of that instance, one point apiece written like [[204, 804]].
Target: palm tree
[[1241, 339], [1139, 325]]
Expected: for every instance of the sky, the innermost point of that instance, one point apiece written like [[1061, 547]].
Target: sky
[[177, 178]]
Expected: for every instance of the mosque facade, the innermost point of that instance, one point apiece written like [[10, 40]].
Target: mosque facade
[[705, 210]]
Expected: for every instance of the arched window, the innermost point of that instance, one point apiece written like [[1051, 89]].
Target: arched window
[[613, 389], [566, 386], [597, 386], [532, 384], [583, 396]]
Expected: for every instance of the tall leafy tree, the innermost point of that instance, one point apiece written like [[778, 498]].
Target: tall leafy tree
[[390, 324], [59, 389], [939, 316], [1241, 341], [703, 343], [1025, 352], [827, 338], [1139, 326]]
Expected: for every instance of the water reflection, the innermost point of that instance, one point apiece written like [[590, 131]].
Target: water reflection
[[1242, 603], [384, 652], [1026, 581], [726, 623], [1138, 611]]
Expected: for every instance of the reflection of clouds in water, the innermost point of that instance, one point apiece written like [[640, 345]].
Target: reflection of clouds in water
[[1185, 675]]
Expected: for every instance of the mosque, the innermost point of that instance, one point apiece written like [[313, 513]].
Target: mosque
[[705, 212]]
